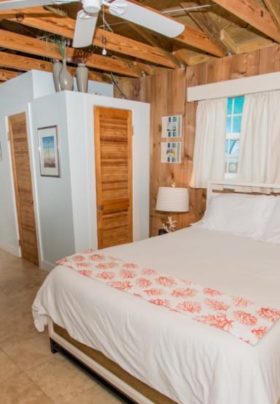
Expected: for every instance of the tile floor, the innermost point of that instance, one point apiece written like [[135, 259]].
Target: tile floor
[[29, 372]]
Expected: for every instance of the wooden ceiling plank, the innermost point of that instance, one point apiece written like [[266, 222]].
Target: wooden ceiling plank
[[21, 43], [274, 8], [7, 74], [204, 21], [24, 63], [65, 26], [254, 14]]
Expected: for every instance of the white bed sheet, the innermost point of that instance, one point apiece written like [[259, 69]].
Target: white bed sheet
[[189, 362]]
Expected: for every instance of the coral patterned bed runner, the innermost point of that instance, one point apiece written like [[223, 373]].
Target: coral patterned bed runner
[[236, 315]]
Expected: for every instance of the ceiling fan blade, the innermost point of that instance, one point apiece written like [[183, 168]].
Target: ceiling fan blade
[[84, 29], [146, 17], [14, 4]]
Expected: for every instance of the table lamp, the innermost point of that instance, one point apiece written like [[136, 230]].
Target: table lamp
[[172, 199]]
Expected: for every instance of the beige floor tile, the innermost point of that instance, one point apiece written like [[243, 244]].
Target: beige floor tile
[[29, 373], [8, 368], [94, 395], [59, 377], [29, 353], [21, 390], [17, 326]]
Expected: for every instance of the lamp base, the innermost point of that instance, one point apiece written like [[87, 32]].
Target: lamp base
[[162, 231]]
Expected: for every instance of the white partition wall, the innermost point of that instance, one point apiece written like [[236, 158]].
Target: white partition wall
[[59, 220], [67, 204]]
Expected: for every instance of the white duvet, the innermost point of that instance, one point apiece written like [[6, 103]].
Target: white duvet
[[189, 362]]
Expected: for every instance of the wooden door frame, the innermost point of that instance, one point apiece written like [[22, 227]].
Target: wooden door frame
[[33, 178]]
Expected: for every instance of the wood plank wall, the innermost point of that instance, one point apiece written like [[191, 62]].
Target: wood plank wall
[[166, 92]]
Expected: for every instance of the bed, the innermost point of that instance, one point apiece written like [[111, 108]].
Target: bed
[[154, 355]]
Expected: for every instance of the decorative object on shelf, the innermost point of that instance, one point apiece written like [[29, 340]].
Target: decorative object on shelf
[[48, 151], [172, 199], [65, 78], [171, 126], [57, 66], [171, 152], [82, 78]]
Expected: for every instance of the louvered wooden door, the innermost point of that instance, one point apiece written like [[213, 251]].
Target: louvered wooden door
[[113, 156], [23, 187]]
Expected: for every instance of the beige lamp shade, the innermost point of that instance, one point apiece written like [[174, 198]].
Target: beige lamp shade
[[172, 199]]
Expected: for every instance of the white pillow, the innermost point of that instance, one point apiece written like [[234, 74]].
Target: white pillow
[[239, 214], [271, 231]]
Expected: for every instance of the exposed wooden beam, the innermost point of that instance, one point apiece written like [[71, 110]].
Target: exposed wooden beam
[[254, 14], [21, 43], [230, 43], [7, 75], [274, 8], [198, 39], [130, 47], [189, 57], [65, 26], [24, 63]]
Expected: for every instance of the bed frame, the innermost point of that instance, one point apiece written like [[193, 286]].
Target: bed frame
[[105, 368], [108, 370], [235, 187]]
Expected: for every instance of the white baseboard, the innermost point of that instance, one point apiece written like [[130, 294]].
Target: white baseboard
[[15, 250], [47, 266]]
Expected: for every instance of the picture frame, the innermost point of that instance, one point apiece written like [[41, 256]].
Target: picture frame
[[49, 151], [171, 152], [171, 126]]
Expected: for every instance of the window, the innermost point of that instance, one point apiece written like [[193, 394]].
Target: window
[[233, 129]]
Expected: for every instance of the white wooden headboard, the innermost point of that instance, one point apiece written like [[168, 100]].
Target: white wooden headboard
[[267, 189]]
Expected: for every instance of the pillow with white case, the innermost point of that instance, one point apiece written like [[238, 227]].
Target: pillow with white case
[[271, 231], [239, 214]]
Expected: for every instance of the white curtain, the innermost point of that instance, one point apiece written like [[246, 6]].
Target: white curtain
[[259, 159], [209, 149]]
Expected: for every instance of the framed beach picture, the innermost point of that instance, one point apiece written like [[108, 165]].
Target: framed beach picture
[[48, 149], [171, 152]]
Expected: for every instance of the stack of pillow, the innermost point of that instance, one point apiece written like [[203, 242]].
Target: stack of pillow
[[256, 216]]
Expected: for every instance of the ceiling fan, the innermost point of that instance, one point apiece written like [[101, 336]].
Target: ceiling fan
[[87, 17]]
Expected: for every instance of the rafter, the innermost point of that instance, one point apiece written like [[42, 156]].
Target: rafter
[[65, 26], [189, 57], [21, 43], [254, 14], [24, 63], [274, 8], [198, 39], [7, 74]]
